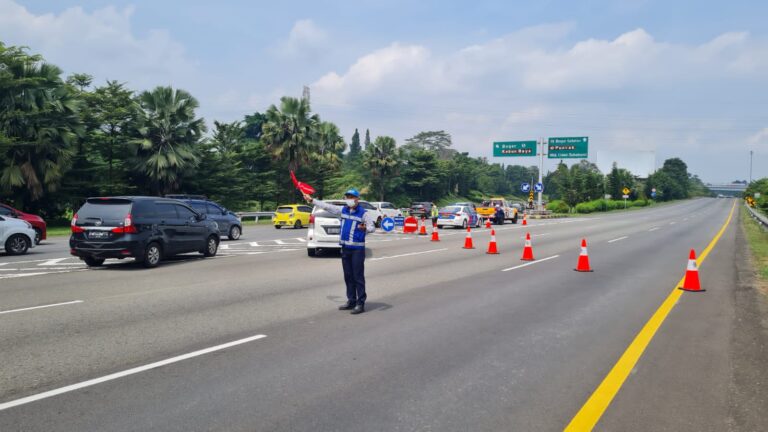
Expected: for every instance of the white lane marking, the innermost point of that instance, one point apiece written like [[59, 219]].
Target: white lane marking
[[110, 377], [530, 263], [52, 262], [303, 240], [653, 229], [223, 247], [254, 244], [672, 223], [11, 276], [4, 264], [617, 239], [408, 254], [41, 307], [280, 242]]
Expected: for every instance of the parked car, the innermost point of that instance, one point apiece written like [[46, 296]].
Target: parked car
[[16, 235], [420, 209], [145, 228], [295, 215], [38, 224], [229, 224], [324, 230], [386, 209], [378, 215], [458, 217]]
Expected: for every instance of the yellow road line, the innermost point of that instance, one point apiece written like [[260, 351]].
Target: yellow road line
[[593, 409]]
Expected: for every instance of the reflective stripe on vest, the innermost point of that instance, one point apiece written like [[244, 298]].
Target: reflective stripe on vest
[[350, 236]]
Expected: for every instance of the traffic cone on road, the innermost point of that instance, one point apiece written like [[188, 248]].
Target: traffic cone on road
[[435, 236], [583, 264], [691, 282], [423, 229], [525, 219], [488, 223], [528, 250], [468, 240], [492, 249]]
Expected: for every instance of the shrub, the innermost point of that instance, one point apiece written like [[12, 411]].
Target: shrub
[[585, 207], [639, 203], [558, 206]]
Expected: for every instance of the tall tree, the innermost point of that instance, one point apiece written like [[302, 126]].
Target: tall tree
[[39, 125], [290, 132], [169, 137], [367, 139], [327, 159], [436, 141], [382, 159], [355, 149]]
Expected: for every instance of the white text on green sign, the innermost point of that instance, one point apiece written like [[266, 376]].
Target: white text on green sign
[[568, 148], [514, 148]]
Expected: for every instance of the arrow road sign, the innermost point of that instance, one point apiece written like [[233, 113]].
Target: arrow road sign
[[388, 224], [525, 187], [538, 187]]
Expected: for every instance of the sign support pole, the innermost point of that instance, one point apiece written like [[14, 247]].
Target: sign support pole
[[541, 168]]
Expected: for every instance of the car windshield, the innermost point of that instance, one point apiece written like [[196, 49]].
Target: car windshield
[[320, 213], [451, 209], [284, 209]]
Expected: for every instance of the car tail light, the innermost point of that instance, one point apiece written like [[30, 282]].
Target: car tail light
[[311, 221], [76, 229], [127, 228]]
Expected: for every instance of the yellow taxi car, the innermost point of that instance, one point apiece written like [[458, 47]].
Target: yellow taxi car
[[293, 215]]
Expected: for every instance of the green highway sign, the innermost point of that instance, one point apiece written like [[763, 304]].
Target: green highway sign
[[568, 148], [514, 148]]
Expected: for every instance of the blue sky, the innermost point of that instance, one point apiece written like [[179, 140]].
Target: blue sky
[[680, 78]]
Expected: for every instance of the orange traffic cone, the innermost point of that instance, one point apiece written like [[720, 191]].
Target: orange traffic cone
[[528, 250], [492, 249], [691, 282], [488, 223], [583, 264], [468, 240], [435, 236], [423, 228], [525, 219]]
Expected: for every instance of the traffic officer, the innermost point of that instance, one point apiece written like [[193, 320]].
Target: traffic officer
[[355, 224], [435, 214]]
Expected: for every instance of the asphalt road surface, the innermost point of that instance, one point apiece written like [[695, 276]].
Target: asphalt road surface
[[452, 340]]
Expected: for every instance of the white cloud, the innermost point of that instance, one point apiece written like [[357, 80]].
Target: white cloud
[[305, 39], [101, 43], [758, 138]]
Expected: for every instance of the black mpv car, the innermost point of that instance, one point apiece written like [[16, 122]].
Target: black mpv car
[[145, 228]]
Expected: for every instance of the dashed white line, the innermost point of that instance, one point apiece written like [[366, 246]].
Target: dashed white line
[[301, 239], [41, 307], [73, 387], [653, 229], [408, 254], [672, 223], [223, 247], [53, 262], [618, 239], [531, 263], [254, 244], [280, 242]]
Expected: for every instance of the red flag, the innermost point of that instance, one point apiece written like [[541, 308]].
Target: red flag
[[303, 187]]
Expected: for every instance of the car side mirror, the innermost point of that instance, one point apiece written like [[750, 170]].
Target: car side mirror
[[201, 217]]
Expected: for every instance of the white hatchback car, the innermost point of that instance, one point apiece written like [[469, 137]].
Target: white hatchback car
[[16, 236], [386, 209]]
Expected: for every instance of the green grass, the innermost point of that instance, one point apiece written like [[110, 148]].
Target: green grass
[[262, 221], [59, 231], [757, 238]]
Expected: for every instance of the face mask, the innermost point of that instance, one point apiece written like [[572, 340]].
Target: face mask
[[350, 202]]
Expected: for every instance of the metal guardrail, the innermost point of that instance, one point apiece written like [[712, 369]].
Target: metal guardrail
[[255, 215], [758, 217]]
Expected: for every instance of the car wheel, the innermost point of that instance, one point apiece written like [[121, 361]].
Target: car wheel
[[235, 232], [311, 252], [38, 236], [464, 224], [277, 226], [93, 262], [152, 255], [297, 225], [17, 244], [211, 246]]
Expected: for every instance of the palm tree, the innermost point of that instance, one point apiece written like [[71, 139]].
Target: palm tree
[[382, 158], [328, 156], [290, 132], [39, 124], [169, 134]]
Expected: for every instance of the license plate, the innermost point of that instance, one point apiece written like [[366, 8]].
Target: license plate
[[98, 234], [332, 230], [281, 222]]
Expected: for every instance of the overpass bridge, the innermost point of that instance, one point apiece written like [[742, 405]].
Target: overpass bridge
[[730, 189]]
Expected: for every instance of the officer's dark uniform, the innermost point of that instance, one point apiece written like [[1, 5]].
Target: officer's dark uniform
[[352, 240]]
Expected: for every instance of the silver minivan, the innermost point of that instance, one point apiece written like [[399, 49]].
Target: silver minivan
[[324, 230]]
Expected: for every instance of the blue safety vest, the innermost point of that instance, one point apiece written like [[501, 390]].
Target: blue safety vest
[[351, 237]]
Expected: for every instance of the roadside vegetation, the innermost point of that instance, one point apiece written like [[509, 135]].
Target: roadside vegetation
[[757, 237], [63, 139]]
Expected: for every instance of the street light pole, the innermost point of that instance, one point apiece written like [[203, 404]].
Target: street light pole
[[750, 166]]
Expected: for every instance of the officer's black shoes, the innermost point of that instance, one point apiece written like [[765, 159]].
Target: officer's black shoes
[[358, 310], [347, 306]]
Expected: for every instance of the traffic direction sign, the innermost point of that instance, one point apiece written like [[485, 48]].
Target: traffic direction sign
[[525, 187], [514, 148], [538, 187], [626, 191], [388, 224], [399, 221], [568, 148]]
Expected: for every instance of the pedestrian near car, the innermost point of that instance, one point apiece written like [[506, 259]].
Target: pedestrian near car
[[356, 222], [435, 213]]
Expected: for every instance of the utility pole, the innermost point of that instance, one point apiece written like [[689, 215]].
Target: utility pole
[[541, 169], [750, 166]]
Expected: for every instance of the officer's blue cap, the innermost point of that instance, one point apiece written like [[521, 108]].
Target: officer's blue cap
[[353, 192]]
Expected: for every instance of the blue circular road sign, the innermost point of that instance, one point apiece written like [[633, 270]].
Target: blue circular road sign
[[387, 224], [525, 187]]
